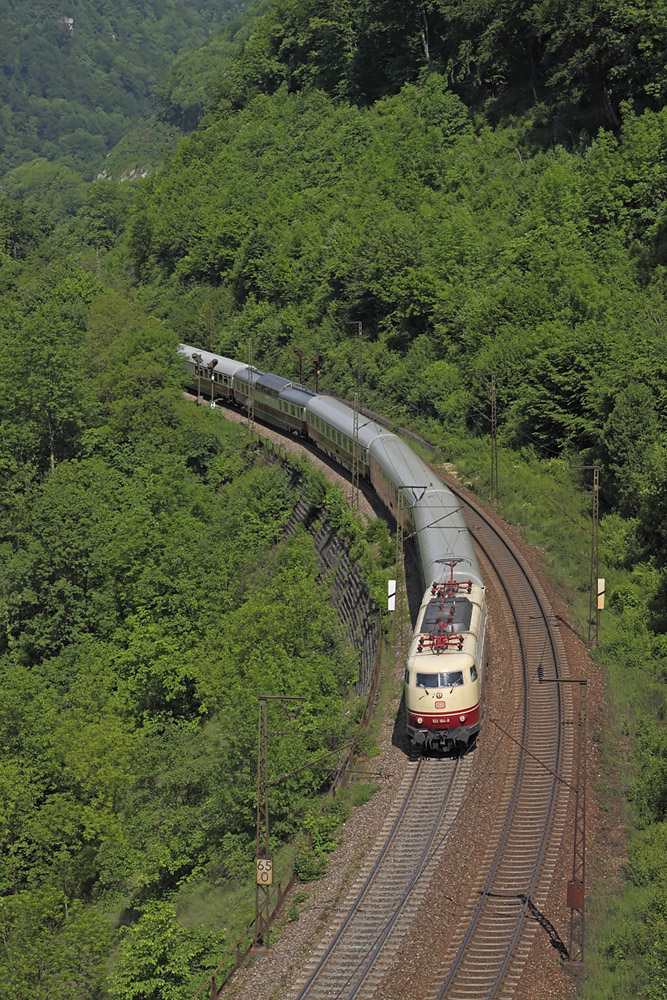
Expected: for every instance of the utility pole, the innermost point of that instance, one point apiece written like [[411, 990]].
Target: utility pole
[[494, 443], [251, 390], [400, 572], [494, 436], [358, 396], [264, 874], [199, 361], [299, 354], [263, 860], [576, 889], [316, 361], [208, 318], [401, 538], [593, 602], [211, 373]]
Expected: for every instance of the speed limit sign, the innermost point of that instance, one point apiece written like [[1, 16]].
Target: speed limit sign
[[264, 871]]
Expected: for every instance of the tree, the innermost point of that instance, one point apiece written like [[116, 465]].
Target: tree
[[46, 400], [156, 958], [627, 437]]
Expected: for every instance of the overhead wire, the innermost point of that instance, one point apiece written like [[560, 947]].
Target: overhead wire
[[467, 799]]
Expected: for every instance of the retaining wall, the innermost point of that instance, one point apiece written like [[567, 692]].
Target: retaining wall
[[351, 597]]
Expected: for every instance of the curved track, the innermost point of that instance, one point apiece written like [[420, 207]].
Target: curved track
[[487, 952], [386, 899], [486, 961]]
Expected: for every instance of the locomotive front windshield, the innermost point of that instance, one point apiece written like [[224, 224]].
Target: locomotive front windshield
[[445, 679]]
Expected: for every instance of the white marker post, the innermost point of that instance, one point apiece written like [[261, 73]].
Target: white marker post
[[601, 589]]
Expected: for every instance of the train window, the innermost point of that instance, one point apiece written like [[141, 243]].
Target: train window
[[407, 676], [445, 679], [473, 673]]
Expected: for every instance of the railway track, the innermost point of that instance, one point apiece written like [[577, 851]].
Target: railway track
[[486, 959], [385, 899], [487, 951], [484, 955]]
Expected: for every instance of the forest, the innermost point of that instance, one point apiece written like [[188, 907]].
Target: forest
[[77, 76], [482, 187]]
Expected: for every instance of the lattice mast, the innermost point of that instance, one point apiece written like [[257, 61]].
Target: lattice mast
[[358, 399], [494, 434], [577, 887], [400, 571], [251, 389], [594, 604], [494, 443], [262, 892]]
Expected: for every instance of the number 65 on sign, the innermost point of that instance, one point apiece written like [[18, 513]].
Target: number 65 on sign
[[264, 871]]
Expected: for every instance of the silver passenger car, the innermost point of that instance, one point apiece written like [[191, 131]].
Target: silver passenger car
[[331, 426], [429, 511], [210, 371]]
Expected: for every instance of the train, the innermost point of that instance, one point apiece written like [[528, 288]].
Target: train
[[443, 681]]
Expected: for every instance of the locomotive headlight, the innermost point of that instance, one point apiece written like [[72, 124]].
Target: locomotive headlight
[[462, 718], [419, 720]]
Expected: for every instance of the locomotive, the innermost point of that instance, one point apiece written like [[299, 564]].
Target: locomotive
[[443, 676]]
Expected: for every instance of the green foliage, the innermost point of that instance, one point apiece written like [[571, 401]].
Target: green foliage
[[155, 957], [551, 54], [55, 187], [49, 950], [145, 595], [309, 866], [21, 229], [72, 91], [445, 244], [145, 599], [361, 792], [139, 152], [187, 89], [45, 407]]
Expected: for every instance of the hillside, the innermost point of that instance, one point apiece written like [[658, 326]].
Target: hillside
[[75, 78], [484, 188]]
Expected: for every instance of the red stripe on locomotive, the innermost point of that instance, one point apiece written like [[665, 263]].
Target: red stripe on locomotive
[[435, 720]]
